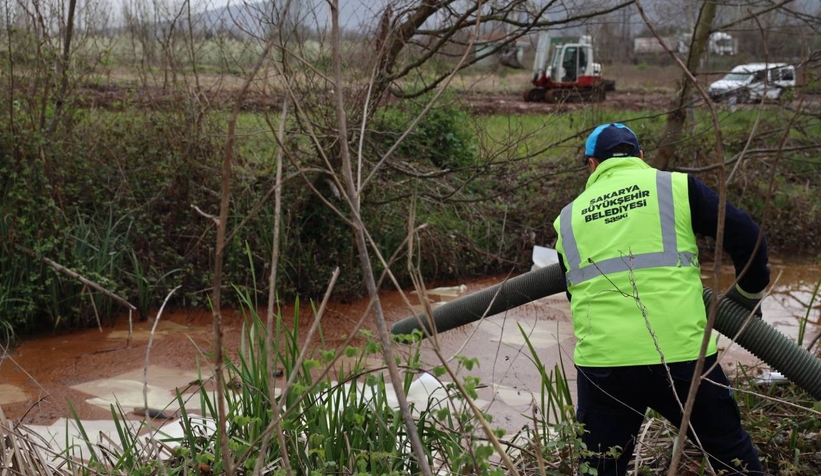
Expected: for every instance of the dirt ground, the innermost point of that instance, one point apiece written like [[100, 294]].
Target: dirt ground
[[483, 91], [484, 94], [484, 103], [507, 104]]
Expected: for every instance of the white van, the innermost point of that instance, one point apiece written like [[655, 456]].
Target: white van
[[754, 82]]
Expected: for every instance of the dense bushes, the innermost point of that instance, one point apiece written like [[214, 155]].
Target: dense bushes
[[776, 188], [443, 136], [110, 197], [106, 191]]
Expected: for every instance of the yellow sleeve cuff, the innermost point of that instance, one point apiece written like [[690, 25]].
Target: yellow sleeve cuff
[[758, 295]]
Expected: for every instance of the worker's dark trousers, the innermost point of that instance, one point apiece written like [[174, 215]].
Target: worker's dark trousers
[[612, 402]]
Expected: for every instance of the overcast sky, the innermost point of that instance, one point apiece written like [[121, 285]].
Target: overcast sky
[[352, 12]]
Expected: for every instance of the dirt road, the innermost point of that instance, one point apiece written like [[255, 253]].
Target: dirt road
[[117, 98]]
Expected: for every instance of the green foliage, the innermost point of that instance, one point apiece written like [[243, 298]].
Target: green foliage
[[337, 425], [802, 323], [109, 201], [146, 282], [317, 242], [442, 137], [555, 435], [786, 436], [794, 216]]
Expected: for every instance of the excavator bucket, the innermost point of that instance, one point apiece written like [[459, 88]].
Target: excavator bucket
[[509, 56]]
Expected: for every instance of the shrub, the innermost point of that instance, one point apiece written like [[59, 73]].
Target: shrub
[[443, 136]]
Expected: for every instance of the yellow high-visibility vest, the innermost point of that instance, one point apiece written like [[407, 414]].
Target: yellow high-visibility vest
[[632, 267]]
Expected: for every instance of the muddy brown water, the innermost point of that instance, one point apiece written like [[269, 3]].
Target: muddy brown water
[[45, 369]]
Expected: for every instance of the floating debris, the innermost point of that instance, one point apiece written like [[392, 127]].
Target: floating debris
[[771, 378]]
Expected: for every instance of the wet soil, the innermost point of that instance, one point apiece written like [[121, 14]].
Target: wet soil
[[117, 98], [510, 104]]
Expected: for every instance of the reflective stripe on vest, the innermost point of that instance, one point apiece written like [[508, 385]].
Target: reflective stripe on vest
[[669, 257]]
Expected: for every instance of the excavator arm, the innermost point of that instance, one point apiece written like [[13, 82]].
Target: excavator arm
[[509, 56]]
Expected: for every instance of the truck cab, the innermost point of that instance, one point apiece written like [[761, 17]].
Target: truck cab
[[571, 65], [572, 62], [570, 75]]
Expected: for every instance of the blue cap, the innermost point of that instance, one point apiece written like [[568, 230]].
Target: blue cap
[[601, 142]]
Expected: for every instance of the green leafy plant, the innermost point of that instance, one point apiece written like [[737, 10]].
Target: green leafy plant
[[553, 439], [146, 283], [443, 136]]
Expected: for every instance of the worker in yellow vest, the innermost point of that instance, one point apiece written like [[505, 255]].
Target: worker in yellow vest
[[628, 250]]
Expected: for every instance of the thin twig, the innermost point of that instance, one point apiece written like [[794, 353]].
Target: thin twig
[[765, 397], [225, 193], [94, 306], [148, 352], [149, 415], [272, 300], [213, 218], [63, 270], [314, 326], [709, 10], [344, 345], [352, 194]]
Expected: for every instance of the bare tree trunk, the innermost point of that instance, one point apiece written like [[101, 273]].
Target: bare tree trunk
[[64, 60], [362, 245], [272, 298], [217, 291], [222, 223], [677, 119]]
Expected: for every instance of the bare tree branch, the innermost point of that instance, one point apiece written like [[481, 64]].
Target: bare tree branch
[[220, 246], [358, 229]]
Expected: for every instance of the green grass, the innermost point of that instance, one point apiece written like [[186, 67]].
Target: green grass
[[558, 136], [562, 135], [802, 327], [781, 433]]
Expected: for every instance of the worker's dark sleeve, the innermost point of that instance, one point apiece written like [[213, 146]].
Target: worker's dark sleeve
[[740, 235], [564, 273]]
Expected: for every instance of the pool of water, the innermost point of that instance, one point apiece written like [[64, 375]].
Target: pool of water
[[89, 368]]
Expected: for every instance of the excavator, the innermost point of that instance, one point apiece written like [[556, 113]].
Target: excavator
[[571, 75]]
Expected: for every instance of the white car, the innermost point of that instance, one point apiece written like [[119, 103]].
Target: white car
[[754, 82]]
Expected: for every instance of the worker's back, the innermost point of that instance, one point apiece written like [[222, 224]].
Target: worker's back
[[631, 260]]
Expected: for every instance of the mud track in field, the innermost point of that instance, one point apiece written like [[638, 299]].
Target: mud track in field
[[511, 104], [115, 98]]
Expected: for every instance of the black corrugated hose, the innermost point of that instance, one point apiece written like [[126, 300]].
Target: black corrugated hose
[[761, 339]]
